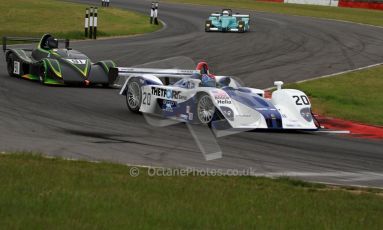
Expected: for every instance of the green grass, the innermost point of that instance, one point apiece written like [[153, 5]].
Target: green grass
[[373, 17], [356, 96], [40, 193], [63, 19]]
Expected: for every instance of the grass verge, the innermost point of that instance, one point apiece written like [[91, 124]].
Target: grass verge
[[372, 17], [355, 96], [64, 19], [41, 193]]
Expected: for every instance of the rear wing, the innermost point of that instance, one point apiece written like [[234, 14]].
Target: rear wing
[[215, 15], [242, 17], [28, 39], [116, 74], [238, 16]]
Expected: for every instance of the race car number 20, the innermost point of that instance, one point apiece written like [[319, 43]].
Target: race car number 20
[[146, 98], [301, 100]]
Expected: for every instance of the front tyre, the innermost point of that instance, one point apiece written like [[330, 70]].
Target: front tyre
[[133, 95], [205, 109], [208, 25], [241, 26], [42, 74]]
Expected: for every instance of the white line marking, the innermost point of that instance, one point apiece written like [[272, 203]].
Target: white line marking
[[343, 72], [350, 22], [334, 131], [317, 18], [333, 74]]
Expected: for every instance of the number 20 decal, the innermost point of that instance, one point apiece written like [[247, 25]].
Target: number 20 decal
[[146, 99], [302, 100]]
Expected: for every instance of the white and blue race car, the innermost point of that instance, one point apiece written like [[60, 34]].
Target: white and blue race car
[[196, 96]]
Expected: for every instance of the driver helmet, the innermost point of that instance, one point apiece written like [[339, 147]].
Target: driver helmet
[[51, 43], [225, 13]]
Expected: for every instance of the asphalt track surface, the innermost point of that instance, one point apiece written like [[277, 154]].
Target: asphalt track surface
[[94, 123]]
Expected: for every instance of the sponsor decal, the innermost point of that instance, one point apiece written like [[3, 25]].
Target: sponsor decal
[[168, 105], [168, 93], [243, 115], [265, 109], [188, 113], [77, 61], [184, 117], [222, 98], [16, 67]]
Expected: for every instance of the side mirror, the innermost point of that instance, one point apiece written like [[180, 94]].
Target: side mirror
[[278, 84], [193, 83]]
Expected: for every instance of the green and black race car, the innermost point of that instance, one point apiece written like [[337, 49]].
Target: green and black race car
[[53, 66]]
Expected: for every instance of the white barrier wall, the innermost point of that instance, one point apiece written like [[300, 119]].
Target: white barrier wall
[[314, 2]]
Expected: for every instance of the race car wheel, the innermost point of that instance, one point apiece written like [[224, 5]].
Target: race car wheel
[[241, 26], [133, 95], [42, 74], [207, 25], [205, 109], [10, 65]]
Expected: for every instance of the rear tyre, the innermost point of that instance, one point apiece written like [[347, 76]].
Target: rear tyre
[[10, 65], [133, 95]]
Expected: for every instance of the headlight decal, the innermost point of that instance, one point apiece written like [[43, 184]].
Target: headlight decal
[[306, 114], [227, 112]]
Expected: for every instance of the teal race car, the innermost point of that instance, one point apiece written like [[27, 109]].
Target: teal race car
[[53, 66], [228, 22]]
